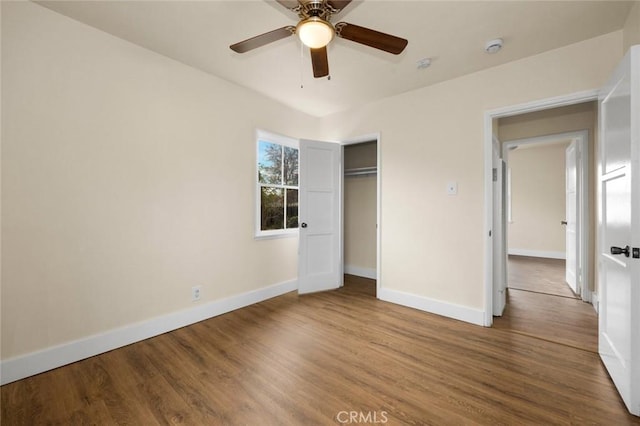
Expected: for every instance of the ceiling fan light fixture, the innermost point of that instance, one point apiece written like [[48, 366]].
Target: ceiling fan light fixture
[[315, 32]]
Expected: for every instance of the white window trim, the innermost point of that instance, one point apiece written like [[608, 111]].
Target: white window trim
[[262, 135]]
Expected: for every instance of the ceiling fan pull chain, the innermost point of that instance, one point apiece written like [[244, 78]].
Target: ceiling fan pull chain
[[301, 65]]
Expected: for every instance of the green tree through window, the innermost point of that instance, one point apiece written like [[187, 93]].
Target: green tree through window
[[278, 185]]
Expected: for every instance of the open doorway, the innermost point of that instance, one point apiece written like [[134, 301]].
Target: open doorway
[[360, 213], [519, 122], [548, 210], [549, 175]]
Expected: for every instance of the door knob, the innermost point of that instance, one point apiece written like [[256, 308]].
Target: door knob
[[620, 250], [303, 225], [563, 222]]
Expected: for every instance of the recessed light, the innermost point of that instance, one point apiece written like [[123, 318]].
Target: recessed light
[[423, 63], [493, 46]]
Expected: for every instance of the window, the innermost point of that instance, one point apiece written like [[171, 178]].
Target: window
[[277, 185]]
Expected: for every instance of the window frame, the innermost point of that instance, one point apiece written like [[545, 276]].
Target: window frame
[[284, 141]]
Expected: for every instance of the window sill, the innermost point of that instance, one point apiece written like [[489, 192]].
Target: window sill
[[271, 235]]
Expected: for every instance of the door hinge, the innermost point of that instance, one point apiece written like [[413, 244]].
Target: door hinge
[[495, 174]]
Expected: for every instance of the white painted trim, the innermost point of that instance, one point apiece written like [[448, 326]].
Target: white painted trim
[[489, 116], [56, 356], [379, 218], [449, 310], [587, 233], [538, 253], [542, 104], [360, 272], [488, 220], [556, 138]]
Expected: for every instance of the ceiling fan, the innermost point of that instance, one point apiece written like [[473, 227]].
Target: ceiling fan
[[316, 31]]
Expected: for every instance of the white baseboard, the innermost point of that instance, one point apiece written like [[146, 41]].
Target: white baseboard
[[538, 253], [360, 272], [450, 310], [56, 356]]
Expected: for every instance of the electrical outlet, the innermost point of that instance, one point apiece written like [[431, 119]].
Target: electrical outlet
[[196, 292]]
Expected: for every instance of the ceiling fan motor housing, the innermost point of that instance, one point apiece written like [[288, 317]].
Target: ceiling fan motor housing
[[311, 8]]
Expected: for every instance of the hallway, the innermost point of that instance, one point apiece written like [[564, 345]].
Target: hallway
[[540, 304]]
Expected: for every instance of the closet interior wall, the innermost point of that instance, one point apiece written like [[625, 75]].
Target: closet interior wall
[[360, 198]]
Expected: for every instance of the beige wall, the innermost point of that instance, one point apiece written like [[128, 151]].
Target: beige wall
[[549, 122], [127, 178], [360, 155], [537, 198], [360, 223], [631, 31], [360, 196], [435, 135]]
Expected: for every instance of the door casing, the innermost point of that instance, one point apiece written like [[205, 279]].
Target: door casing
[[499, 230]]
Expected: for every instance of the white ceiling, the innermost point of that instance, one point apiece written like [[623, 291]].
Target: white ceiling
[[452, 33]]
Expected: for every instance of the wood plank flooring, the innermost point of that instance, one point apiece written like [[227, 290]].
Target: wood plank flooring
[[313, 359], [541, 304], [538, 275]]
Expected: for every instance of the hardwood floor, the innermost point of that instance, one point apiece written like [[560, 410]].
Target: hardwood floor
[[541, 304], [314, 359], [539, 275]]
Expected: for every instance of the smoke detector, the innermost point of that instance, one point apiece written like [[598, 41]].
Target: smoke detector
[[423, 63], [493, 46]]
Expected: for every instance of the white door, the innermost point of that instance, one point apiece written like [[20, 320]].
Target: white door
[[319, 262], [571, 215], [499, 232], [619, 230]]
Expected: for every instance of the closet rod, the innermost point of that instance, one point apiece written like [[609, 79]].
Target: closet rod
[[361, 171]]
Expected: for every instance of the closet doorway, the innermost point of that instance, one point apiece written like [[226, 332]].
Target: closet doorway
[[361, 212]]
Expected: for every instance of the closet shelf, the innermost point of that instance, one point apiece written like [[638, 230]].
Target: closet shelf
[[361, 171]]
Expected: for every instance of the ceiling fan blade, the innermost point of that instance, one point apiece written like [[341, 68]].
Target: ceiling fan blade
[[262, 39], [320, 62], [338, 4], [289, 4], [372, 38]]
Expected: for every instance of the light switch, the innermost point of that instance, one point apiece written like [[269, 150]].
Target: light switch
[[452, 188]]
